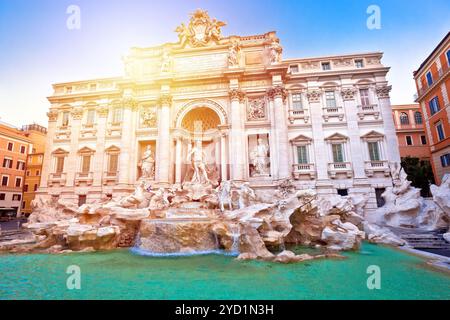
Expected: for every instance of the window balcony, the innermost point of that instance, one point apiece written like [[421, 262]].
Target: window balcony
[[62, 133], [114, 129], [110, 177], [333, 112], [366, 110], [373, 166], [84, 177], [57, 179], [298, 115], [88, 131], [335, 168], [303, 169]]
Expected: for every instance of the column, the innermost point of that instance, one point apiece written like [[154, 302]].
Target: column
[[98, 163], [223, 157], [393, 152], [163, 165], [237, 136], [47, 161], [70, 165], [356, 153], [278, 94], [128, 105], [178, 160]]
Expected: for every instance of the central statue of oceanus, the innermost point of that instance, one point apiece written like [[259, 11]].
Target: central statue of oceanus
[[198, 158]]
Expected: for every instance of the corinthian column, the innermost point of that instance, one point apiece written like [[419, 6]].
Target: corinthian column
[[100, 153], [278, 95], [164, 145], [237, 136], [125, 150], [47, 163]]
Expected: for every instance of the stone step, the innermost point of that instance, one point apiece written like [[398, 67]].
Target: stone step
[[426, 241]]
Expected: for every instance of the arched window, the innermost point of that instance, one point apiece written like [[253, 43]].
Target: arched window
[[404, 119], [418, 117]]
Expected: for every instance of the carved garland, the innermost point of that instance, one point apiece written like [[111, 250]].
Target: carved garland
[[314, 96], [348, 94]]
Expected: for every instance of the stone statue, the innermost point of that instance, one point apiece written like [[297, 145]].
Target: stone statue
[[148, 164], [198, 158], [224, 195], [183, 34], [215, 31], [233, 55], [134, 199], [245, 194], [159, 200], [259, 158], [275, 51]]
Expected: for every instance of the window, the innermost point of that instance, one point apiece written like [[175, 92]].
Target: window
[[429, 78], [81, 200], [25, 188], [338, 153], [5, 181], [342, 192], [113, 163], [374, 151], [418, 117], [409, 141], [20, 165], [423, 139], [359, 63], [10, 146], [85, 163], [7, 163], [90, 117], [117, 115], [364, 93], [297, 102], [404, 119], [24, 203], [326, 66], [434, 105], [65, 118], [22, 149], [302, 154], [93, 86], [28, 173], [440, 131], [294, 68], [330, 99], [380, 200], [18, 182], [445, 160], [448, 57], [59, 164], [35, 187], [68, 90], [38, 173], [2, 196], [16, 197]]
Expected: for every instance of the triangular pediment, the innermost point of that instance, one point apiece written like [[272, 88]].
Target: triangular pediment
[[301, 138], [373, 135], [85, 150], [112, 148], [60, 151], [336, 137]]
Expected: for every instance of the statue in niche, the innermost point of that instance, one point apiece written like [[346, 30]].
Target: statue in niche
[[198, 158], [148, 164], [259, 158], [275, 51], [234, 55]]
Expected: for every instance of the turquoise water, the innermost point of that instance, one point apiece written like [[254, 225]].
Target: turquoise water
[[123, 275]]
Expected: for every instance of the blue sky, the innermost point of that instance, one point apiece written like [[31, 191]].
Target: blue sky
[[37, 49]]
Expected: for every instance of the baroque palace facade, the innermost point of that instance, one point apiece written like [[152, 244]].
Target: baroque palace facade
[[325, 122]]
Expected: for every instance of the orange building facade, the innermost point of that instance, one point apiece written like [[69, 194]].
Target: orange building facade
[[14, 148], [410, 129], [433, 87], [37, 134]]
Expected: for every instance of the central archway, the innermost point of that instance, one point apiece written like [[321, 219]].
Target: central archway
[[200, 119], [209, 106]]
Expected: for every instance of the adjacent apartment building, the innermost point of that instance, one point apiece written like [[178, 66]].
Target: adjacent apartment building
[[14, 148], [433, 87], [411, 135], [35, 158]]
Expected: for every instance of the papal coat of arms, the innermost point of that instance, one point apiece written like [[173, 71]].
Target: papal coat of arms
[[200, 30]]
